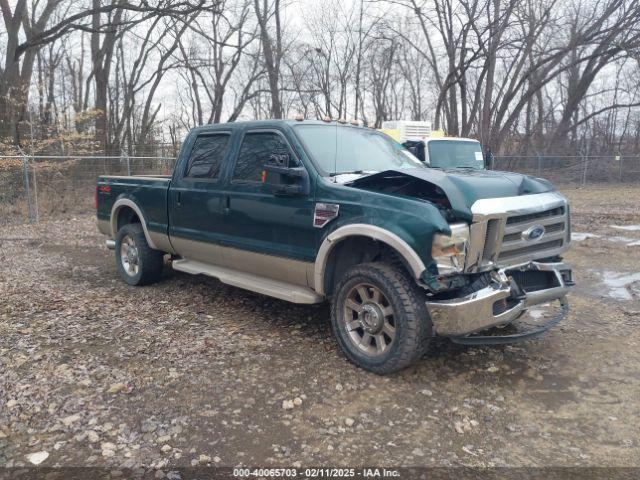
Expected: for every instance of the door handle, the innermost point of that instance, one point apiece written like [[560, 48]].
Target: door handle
[[178, 198], [226, 209]]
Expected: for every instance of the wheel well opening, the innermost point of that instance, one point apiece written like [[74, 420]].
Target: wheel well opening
[[353, 251], [126, 215]]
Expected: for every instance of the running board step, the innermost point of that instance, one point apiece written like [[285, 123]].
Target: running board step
[[249, 281]]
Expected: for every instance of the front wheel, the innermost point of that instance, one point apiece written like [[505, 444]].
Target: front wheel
[[137, 262], [379, 317]]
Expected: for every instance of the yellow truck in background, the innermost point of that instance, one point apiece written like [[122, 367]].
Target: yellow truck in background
[[434, 148]]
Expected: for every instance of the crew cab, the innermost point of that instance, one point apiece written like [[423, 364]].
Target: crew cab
[[312, 211]]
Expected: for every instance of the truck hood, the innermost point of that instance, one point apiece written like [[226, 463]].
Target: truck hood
[[455, 189]]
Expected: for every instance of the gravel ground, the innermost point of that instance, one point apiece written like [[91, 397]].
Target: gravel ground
[[192, 372]]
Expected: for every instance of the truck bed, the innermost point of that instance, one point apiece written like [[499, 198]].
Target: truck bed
[[148, 192]]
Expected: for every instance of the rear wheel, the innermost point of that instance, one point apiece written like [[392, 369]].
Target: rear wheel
[[379, 317], [137, 262]]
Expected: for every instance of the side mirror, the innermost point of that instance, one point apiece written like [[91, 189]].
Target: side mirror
[[416, 148], [281, 178]]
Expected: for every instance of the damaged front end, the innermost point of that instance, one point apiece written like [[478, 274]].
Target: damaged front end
[[505, 296], [501, 254], [513, 255]]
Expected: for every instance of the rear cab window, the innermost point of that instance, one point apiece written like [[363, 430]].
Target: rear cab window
[[207, 156]]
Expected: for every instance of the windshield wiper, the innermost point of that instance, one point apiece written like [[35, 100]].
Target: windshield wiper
[[335, 174]]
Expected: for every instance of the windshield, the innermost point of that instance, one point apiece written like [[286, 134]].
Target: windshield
[[344, 149], [455, 154]]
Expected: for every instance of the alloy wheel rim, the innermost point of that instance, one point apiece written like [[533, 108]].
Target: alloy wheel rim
[[369, 320], [129, 256]]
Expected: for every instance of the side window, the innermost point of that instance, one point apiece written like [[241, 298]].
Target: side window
[[255, 150], [206, 156]]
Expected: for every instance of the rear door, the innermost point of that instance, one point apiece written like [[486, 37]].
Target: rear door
[[196, 201], [270, 235]]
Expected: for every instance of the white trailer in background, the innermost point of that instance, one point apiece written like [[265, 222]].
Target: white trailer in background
[[407, 130]]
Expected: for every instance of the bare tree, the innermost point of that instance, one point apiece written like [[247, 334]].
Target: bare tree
[[210, 65], [523, 75], [102, 50], [29, 27], [15, 75], [268, 15]]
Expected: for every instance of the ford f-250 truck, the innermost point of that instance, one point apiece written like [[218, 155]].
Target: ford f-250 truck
[[311, 211]]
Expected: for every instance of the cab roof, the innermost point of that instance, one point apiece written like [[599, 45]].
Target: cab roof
[[457, 139]]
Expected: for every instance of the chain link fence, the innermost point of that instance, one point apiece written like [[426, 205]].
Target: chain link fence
[[579, 170], [36, 187]]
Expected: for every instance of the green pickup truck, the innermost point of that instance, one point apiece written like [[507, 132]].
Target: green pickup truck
[[313, 211]]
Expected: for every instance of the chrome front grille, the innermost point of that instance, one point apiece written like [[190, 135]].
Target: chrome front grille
[[515, 254], [515, 245], [493, 232], [556, 227], [501, 226], [554, 212]]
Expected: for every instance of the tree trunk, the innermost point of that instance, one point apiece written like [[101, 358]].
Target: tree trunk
[[272, 51]]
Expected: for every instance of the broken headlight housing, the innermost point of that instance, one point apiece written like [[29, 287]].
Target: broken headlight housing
[[450, 251]]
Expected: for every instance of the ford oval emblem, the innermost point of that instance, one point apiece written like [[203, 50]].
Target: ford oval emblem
[[533, 233]]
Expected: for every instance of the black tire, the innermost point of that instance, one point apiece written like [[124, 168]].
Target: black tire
[[149, 261], [412, 325]]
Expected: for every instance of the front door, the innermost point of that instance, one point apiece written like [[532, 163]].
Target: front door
[[269, 235]]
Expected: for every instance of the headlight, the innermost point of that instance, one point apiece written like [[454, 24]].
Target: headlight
[[450, 251]]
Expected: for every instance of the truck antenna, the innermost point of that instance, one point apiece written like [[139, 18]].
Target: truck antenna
[[335, 156]]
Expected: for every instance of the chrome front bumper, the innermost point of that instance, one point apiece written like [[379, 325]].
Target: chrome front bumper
[[475, 312]]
